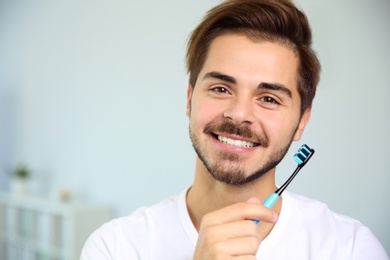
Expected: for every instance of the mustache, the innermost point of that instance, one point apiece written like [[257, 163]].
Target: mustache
[[230, 128]]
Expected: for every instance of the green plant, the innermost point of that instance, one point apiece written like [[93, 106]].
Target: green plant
[[22, 172]]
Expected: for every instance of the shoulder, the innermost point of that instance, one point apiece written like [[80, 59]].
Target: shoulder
[[328, 230], [145, 218], [131, 235], [312, 210], [315, 214]]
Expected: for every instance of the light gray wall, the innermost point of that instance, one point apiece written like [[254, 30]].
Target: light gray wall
[[92, 98]]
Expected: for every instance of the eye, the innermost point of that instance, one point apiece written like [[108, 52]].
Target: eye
[[220, 90], [269, 101]]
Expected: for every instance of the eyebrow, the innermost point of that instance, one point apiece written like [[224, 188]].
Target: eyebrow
[[263, 85], [220, 76], [275, 87]]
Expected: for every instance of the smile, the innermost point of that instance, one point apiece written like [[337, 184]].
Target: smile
[[236, 143]]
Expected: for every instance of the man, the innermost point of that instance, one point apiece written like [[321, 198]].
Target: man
[[253, 76]]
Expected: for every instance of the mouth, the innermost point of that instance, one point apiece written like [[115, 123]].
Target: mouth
[[235, 142]]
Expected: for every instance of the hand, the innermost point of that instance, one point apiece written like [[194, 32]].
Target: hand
[[231, 232]]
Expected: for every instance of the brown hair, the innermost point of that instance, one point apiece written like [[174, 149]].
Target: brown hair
[[271, 20]]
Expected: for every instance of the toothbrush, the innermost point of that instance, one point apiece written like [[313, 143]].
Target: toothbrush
[[301, 157]]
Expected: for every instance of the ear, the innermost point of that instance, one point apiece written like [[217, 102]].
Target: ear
[[302, 124], [189, 95]]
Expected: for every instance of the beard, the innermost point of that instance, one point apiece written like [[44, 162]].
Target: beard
[[233, 173]]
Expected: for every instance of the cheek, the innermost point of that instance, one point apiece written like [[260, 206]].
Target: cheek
[[196, 116], [203, 112], [278, 128]]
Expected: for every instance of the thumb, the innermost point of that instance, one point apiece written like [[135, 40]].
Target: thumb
[[253, 200]]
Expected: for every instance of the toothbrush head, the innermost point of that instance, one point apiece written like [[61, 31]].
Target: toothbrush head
[[303, 155]]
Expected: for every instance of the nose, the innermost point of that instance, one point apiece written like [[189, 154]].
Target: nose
[[240, 111]]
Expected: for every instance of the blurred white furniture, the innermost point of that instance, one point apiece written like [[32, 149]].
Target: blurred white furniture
[[43, 229]]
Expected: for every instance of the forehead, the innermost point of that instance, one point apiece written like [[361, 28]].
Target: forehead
[[250, 60]]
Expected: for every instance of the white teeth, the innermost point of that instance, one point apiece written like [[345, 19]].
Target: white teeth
[[237, 143]]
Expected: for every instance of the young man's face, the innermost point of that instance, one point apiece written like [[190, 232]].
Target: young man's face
[[245, 108]]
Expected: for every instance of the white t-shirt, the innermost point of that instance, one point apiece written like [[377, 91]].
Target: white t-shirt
[[306, 229]]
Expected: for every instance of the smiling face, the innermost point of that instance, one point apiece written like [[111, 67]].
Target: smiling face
[[245, 108]]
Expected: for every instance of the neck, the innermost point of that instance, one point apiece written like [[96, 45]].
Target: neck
[[207, 194]]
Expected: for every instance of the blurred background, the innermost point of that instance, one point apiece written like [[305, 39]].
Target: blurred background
[[93, 98]]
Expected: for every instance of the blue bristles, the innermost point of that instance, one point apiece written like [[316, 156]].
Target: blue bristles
[[303, 154]]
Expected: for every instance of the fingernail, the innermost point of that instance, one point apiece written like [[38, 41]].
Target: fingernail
[[275, 216], [254, 201]]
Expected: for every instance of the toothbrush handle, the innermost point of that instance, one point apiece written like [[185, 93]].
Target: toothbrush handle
[[269, 202]]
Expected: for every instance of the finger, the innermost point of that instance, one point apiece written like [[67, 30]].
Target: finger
[[239, 211], [257, 201], [242, 228], [254, 200], [237, 246]]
